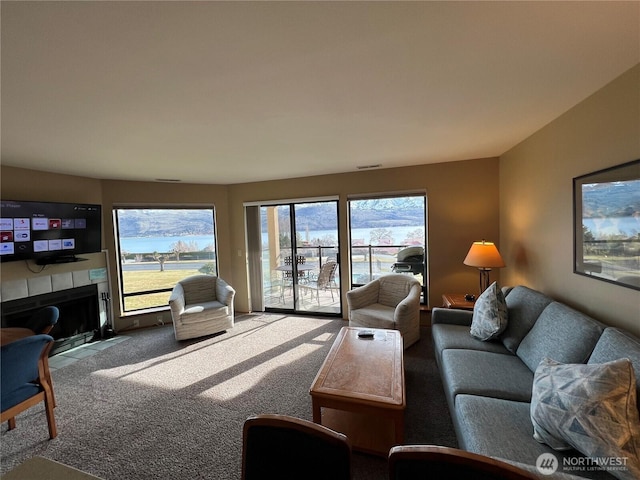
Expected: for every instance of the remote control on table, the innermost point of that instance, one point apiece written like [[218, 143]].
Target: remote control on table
[[365, 334]]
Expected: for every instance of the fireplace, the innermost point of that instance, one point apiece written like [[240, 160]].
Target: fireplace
[[79, 320]]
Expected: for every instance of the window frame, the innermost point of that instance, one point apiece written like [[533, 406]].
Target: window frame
[[121, 280], [382, 196]]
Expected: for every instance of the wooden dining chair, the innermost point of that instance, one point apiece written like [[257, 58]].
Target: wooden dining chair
[[408, 462], [284, 447], [43, 321], [23, 381]]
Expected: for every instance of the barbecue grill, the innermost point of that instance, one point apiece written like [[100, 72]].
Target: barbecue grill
[[410, 259]]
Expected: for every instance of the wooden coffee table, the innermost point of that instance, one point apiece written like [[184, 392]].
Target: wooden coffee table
[[359, 390]]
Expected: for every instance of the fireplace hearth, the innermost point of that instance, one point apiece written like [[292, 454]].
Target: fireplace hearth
[[79, 320]]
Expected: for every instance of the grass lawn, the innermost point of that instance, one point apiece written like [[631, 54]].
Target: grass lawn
[[144, 280], [139, 281]]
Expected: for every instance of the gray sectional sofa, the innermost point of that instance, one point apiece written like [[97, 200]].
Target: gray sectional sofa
[[488, 384]]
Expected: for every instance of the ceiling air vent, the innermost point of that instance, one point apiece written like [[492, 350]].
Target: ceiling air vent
[[367, 167]]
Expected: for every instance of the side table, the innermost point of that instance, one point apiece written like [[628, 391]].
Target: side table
[[456, 300]]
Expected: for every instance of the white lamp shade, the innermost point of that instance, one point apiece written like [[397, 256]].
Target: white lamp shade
[[484, 255]]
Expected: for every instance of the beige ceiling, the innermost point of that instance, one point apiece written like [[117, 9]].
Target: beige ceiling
[[230, 92]]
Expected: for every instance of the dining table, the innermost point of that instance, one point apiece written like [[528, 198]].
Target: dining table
[[287, 274], [302, 269], [299, 268]]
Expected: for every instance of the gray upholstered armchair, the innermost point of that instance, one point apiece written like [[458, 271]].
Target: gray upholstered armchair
[[201, 305], [391, 301]]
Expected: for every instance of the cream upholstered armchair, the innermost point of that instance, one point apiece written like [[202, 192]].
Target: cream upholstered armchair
[[391, 301], [201, 305]]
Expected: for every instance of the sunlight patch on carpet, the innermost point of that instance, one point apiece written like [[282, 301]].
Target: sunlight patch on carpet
[[254, 349], [264, 372], [325, 337]]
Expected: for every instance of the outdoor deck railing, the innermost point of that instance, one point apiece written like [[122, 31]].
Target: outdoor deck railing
[[367, 261]]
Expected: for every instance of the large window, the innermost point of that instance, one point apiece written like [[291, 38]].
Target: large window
[[158, 247], [388, 235]]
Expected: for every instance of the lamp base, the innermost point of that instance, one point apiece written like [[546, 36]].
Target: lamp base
[[484, 279]]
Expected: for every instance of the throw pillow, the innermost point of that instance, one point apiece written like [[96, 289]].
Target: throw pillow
[[592, 408], [489, 314]]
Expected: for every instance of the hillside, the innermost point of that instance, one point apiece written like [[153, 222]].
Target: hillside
[[167, 223], [619, 199], [379, 213]]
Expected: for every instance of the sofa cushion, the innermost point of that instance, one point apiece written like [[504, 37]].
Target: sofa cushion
[[478, 421], [562, 334], [524, 306], [615, 343], [485, 373], [489, 314], [591, 408], [446, 336], [502, 428]]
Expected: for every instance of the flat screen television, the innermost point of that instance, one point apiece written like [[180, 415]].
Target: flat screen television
[[48, 232]]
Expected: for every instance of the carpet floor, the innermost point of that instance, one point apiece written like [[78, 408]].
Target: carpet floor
[[153, 408]]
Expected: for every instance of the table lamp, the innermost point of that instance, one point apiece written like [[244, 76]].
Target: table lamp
[[484, 256]]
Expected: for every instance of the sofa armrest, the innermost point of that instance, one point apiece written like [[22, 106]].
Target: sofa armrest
[[451, 316]]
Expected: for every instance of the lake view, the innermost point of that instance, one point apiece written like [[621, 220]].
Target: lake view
[[163, 244]]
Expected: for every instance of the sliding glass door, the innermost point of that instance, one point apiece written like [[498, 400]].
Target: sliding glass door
[[299, 254]]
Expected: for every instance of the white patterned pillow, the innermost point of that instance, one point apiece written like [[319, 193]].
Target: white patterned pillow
[[489, 314], [590, 407]]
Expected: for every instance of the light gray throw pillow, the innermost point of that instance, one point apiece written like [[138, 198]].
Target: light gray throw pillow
[[592, 408], [489, 314]]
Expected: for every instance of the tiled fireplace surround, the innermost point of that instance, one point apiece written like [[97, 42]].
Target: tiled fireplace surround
[[21, 288]]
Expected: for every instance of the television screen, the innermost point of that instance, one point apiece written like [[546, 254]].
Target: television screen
[[49, 232]]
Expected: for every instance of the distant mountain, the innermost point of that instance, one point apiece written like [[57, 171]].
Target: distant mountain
[[406, 217], [167, 223], [379, 213], [617, 199]]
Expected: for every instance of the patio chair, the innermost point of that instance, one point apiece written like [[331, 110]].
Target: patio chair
[[24, 381], [284, 447], [201, 305], [326, 280], [287, 275]]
